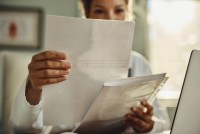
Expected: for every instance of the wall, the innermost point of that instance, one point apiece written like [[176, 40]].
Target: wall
[[53, 7], [1, 91], [140, 40], [70, 8], [50, 7]]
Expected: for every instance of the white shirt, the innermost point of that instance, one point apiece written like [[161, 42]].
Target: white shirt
[[26, 118]]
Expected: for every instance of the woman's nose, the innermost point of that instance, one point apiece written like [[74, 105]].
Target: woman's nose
[[111, 16]]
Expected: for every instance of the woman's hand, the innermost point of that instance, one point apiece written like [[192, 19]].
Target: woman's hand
[[141, 118], [45, 68]]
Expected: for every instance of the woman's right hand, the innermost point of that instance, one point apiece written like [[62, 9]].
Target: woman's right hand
[[48, 67]]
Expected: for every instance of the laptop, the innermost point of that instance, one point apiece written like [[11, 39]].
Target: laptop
[[187, 115]]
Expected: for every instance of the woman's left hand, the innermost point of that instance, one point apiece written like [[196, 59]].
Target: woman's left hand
[[140, 118]]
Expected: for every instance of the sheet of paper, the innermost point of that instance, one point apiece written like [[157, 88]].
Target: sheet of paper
[[99, 50], [117, 97]]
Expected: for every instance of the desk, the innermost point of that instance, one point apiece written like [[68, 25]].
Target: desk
[[1, 127], [165, 132], [169, 99]]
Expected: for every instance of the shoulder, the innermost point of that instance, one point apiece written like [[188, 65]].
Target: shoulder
[[139, 65], [137, 57]]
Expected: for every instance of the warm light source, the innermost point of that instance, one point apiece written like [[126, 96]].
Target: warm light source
[[172, 16], [173, 33]]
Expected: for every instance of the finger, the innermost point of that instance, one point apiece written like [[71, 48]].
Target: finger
[[136, 128], [139, 125], [148, 106], [49, 64], [136, 121], [43, 82], [140, 129], [139, 112], [49, 73], [51, 55]]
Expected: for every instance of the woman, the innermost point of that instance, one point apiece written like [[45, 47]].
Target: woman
[[52, 67]]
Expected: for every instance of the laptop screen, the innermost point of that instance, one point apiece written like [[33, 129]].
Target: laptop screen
[[187, 116]]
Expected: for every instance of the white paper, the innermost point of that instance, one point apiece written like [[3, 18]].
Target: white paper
[[118, 96], [99, 50], [115, 100]]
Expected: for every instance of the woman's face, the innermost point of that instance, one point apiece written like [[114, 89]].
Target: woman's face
[[108, 9]]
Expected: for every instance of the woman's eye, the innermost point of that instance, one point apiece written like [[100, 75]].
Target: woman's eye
[[98, 11], [118, 11]]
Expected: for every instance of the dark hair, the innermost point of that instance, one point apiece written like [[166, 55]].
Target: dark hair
[[87, 5]]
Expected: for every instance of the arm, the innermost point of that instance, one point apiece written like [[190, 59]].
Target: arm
[[26, 117], [45, 68]]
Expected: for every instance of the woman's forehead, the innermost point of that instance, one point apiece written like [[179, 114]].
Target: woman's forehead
[[108, 3]]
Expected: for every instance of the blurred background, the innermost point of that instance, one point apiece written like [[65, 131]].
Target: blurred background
[[166, 31]]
